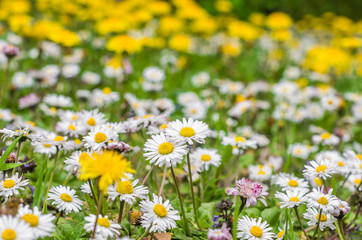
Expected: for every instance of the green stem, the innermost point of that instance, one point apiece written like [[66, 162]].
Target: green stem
[[290, 224], [341, 229], [237, 211], [300, 222], [45, 210], [17, 155], [39, 182], [187, 229], [99, 210], [145, 233], [317, 228], [92, 191], [57, 219], [121, 207], [192, 190]]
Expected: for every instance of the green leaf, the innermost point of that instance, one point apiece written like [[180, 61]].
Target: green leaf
[[8, 166], [252, 212], [271, 215], [9, 149]]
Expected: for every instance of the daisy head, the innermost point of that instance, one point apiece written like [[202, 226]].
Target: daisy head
[[188, 130], [319, 199], [326, 219], [204, 158], [323, 169], [127, 191], [10, 186], [161, 149], [289, 181], [105, 227], [65, 199], [222, 233], [13, 228], [41, 224], [99, 137], [292, 198], [249, 190], [160, 215], [254, 229]]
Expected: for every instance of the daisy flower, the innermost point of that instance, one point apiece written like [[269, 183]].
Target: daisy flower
[[12, 228], [72, 129], [326, 220], [60, 101], [160, 215], [127, 191], [281, 233], [325, 138], [260, 172], [325, 201], [99, 136], [7, 133], [65, 199], [41, 224], [299, 150], [188, 130], [203, 158], [109, 167], [289, 181], [92, 118], [10, 186], [44, 147], [254, 229], [292, 198], [239, 142], [163, 150], [105, 228], [324, 169], [249, 190], [72, 163], [222, 233]]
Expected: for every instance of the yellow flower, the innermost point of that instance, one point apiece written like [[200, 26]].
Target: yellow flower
[[124, 43], [109, 167], [244, 30], [180, 42], [223, 6], [278, 20]]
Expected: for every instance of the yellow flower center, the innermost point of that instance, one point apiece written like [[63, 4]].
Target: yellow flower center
[[104, 222], [147, 116], [340, 163], [261, 172], [280, 234], [323, 201], [325, 136], [160, 210], [359, 156], [31, 123], [256, 231], [136, 215], [294, 199], [107, 90], [91, 122], [9, 183], [71, 127], [78, 141], [293, 183], [318, 181], [187, 132], [124, 187], [240, 139], [53, 110], [47, 145], [205, 157], [357, 181], [31, 219], [84, 157], [58, 139], [9, 234], [74, 117], [100, 137], [165, 148], [323, 217], [321, 168], [66, 197], [164, 126]]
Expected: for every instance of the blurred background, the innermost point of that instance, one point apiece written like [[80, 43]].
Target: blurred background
[[296, 8]]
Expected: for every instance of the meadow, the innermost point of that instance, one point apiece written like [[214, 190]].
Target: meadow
[[150, 119]]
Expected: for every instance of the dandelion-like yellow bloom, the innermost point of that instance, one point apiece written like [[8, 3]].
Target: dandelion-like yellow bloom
[[109, 167], [278, 20], [124, 43]]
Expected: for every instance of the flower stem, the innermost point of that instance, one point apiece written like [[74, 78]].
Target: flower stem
[[300, 222], [317, 228], [58, 216], [145, 233], [187, 229], [237, 212], [45, 210], [99, 207], [92, 191], [17, 155], [121, 207], [163, 181], [290, 224], [192, 190], [341, 229]]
